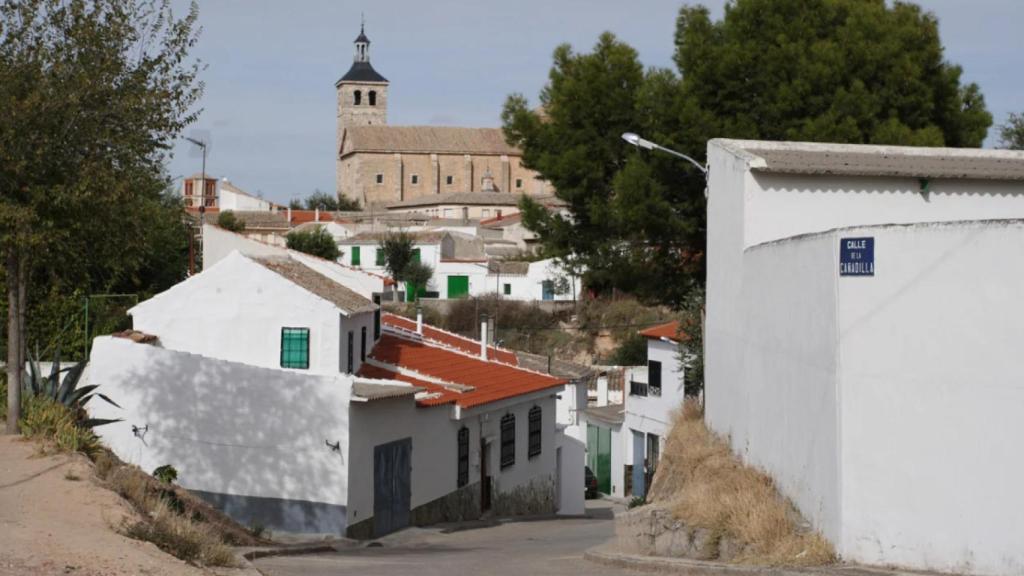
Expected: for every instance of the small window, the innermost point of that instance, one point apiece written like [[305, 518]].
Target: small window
[[295, 348], [463, 451], [485, 213], [380, 178], [188, 188], [355, 256], [508, 289], [519, 183], [362, 344], [508, 440], [351, 355], [373, 97], [380, 257], [449, 180], [414, 179], [465, 213], [357, 98], [535, 432], [654, 377], [447, 212]]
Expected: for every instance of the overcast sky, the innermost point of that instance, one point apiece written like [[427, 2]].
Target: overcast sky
[[269, 105]]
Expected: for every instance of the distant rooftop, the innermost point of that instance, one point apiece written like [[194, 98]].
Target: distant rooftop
[[316, 283], [868, 160]]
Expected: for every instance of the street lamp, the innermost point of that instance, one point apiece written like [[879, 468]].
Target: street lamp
[[639, 142]]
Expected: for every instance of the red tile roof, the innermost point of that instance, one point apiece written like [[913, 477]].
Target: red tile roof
[[669, 331], [491, 381], [467, 345]]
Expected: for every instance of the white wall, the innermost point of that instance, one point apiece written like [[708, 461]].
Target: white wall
[[932, 396], [231, 200], [434, 450], [785, 205], [236, 310], [228, 428], [525, 469], [653, 414], [571, 459]]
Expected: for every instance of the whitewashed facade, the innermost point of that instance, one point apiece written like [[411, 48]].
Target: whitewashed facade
[[882, 404]]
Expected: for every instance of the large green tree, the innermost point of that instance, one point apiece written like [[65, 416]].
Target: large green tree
[[856, 71], [91, 95], [1011, 134]]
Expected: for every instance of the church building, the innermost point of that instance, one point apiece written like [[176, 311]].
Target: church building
[[379, 165]]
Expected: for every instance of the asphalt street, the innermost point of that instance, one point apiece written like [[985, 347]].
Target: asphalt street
[[541, 547]]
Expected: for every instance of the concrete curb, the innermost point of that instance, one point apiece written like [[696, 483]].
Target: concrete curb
[[663, 564], [288, 551]]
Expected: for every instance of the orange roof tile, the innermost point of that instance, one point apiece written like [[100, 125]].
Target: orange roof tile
[[669, 331], [491, 381], [443, 337]]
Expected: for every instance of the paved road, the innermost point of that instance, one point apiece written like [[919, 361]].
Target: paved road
[[544, 547]]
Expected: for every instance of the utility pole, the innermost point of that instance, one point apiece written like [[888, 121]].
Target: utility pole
[[202, 201]]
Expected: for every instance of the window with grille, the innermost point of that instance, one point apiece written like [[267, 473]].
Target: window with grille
[[508, 440], [362, 344], [376, 324], [654, 377], [463, 457], [295, 348], [351, 355], [535, 432]]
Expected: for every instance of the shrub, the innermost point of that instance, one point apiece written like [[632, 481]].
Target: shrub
[[228, 221], [316, 241], [636, 501], [632, 351], [45, 419], [511, 316], [166, 474], [623, 317]]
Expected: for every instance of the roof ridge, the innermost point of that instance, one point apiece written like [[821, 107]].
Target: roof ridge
[[452, 334]]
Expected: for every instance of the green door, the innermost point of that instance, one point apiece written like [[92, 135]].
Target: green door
[[599, 456], [458, 286], [355, 256]]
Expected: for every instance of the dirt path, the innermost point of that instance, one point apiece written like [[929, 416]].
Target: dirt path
[[51, 523]]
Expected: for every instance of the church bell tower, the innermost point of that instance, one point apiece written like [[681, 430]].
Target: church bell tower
[[362, 92]]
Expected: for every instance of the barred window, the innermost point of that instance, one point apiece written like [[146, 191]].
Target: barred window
[[295, 348], [535, 432], [463, 457], [508, 440]]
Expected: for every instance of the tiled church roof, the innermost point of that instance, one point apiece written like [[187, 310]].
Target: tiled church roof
[[426, 139]]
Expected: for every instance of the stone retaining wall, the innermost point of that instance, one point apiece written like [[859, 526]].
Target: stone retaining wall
[[653, 531]]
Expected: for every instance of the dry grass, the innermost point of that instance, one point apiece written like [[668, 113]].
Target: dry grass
[[167, 519], [706, 486]]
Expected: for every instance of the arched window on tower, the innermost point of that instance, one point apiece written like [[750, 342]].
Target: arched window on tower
[[373, 97], [357, 98]]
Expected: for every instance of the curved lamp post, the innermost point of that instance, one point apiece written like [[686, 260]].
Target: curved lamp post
[[639, 142]]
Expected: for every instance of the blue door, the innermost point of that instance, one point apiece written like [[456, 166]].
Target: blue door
[[547, 289], [392, 472], [639, 450]]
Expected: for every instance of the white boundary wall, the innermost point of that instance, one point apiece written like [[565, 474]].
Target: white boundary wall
[[886, 407], [231, 430]]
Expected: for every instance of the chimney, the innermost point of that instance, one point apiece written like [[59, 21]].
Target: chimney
[[483, 336], [419, 320], [316, 214], [490, 330], [289, 215]]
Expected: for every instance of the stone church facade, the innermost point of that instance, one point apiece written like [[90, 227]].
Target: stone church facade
[[378, 164]]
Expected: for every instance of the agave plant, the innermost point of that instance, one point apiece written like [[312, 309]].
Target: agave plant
[[66, 391]]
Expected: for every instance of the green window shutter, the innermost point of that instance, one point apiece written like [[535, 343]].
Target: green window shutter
[[508, 289], [355, 255], [380, 256], [295, 348], [458, 286], [416, 255]]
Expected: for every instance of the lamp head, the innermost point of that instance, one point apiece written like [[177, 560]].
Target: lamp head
[[637, 141]]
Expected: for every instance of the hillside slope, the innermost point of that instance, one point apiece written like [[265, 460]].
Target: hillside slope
[[54, 519]]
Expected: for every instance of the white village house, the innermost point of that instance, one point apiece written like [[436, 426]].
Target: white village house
[[287, 400], [863, 342], [624, 440]]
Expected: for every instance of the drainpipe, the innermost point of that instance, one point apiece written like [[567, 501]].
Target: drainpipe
[[419, 320], [483, 336]]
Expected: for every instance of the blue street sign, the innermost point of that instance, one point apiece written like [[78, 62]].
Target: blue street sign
[[856, 256]]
